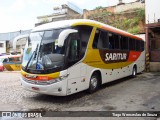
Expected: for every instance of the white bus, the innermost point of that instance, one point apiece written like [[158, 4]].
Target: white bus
[[65, 57]]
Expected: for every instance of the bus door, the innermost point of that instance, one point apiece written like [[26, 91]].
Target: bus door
[[76, 70]]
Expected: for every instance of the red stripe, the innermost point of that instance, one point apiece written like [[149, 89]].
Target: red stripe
[[133, 56]]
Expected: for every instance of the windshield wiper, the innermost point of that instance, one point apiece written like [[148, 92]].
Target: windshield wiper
[[30, 60], [34, 54], [36, 51]]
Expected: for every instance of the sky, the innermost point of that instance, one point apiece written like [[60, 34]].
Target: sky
[[22, 14]]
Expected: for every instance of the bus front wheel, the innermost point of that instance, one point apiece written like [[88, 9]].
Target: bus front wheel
[[94, 83]]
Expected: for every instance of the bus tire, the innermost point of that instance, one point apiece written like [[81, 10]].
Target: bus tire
[[134, 72], [94, 83]]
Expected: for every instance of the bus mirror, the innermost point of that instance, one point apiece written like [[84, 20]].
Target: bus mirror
[[63, 35]]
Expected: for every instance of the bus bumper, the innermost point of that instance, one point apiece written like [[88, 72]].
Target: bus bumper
[[57, 89]]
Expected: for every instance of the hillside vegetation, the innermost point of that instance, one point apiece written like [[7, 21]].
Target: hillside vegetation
[[131, 21]]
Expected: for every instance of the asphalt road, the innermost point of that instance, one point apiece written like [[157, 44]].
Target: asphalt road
[[129, 94]]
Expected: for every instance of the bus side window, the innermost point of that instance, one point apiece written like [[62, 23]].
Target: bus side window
[[74, 47], [111, 41], [103, 40], [116, 41], [96, 37], [139, 45], [84, 35], [142, 45], [132, 44], [100, 40], [124, 43]]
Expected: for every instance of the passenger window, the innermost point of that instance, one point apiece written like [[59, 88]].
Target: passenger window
[[111, 41], [117, 41], [124, 43], [100, 40], [142, 45], [138, 45], [96, 37], [132, 43], [84, 34]]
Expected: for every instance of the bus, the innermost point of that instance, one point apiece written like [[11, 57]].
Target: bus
[[11, 62], [69, 56]]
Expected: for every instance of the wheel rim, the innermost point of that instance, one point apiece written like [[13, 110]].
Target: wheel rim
[[134, 71], [94, 83]]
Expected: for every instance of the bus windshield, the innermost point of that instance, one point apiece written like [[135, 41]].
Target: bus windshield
[[43, 52]]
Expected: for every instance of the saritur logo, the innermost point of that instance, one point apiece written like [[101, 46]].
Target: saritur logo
[[114, 56]]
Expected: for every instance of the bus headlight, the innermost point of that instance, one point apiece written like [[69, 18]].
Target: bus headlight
[[54, 80], [58, 79]]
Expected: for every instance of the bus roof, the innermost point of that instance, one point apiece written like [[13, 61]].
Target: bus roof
[[75, 22]]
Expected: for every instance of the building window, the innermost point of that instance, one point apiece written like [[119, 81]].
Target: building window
[[1, 45]]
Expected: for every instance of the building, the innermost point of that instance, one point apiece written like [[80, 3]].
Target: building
[[153, 34], [2, 46], [6, 40], [64, 12]]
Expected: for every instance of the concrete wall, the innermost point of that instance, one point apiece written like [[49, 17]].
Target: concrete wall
[[3, 49], [87, 13], [129, 6], [115, 9], [155, 66], [152, 11]]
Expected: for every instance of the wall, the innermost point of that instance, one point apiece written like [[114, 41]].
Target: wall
[[128, 6], [115, 9], [87, 13], [3, 49], [152, 11]]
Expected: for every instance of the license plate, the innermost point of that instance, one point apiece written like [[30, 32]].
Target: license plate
[[35, 88]]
